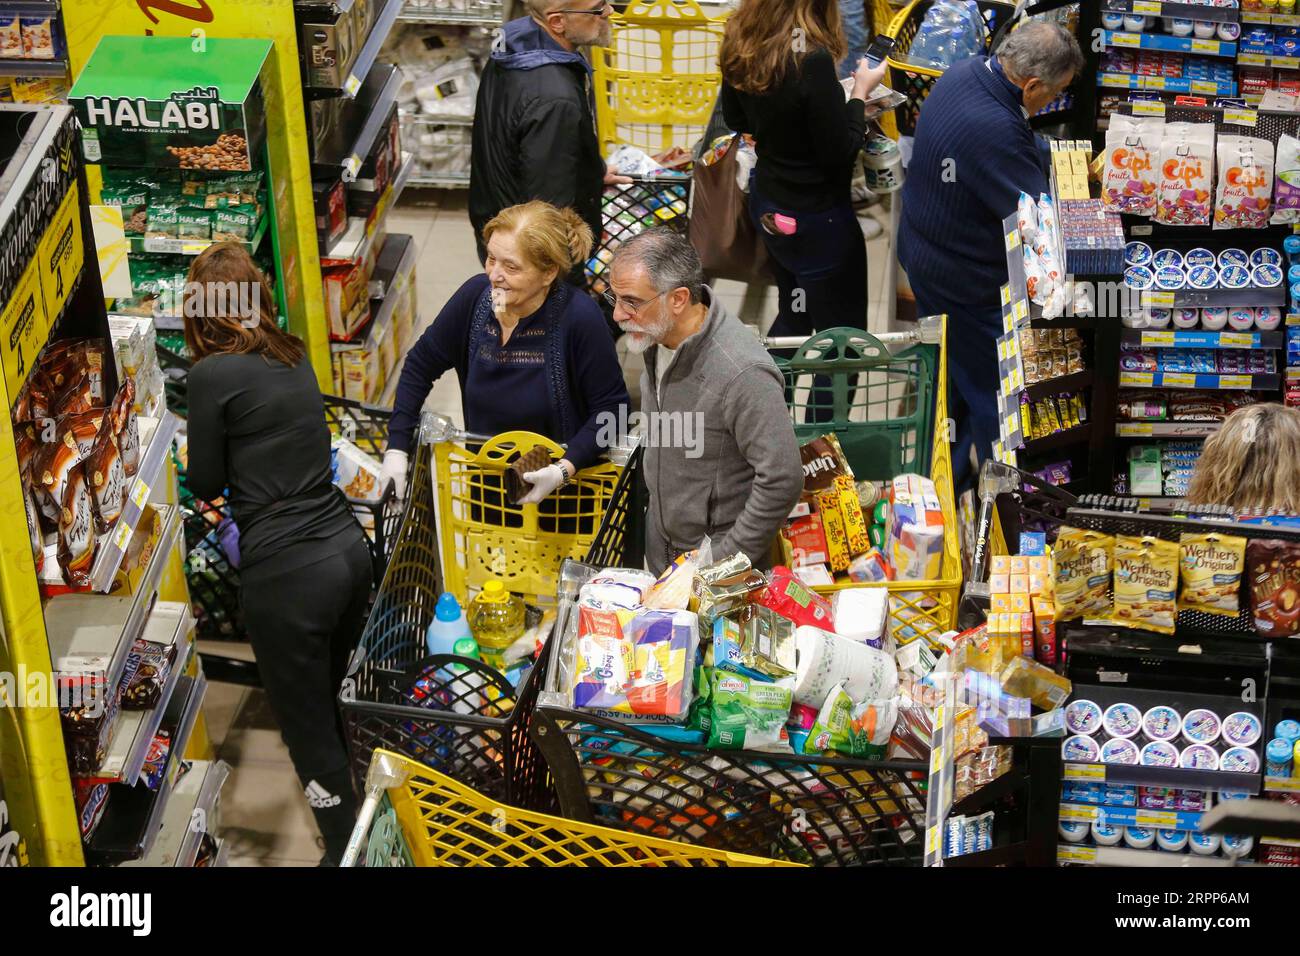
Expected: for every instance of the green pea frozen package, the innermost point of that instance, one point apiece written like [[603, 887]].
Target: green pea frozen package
[[748, 714]]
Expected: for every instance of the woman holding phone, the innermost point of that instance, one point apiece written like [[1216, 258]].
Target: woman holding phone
[[788, 97]]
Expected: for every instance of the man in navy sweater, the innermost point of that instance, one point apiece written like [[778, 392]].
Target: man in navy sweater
[[973, 156]]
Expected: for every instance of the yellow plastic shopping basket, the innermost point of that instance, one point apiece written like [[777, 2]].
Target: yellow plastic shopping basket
[[423, 818], [483, 536]]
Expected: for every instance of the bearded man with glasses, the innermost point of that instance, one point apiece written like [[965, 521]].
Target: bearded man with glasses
[[534, 123]]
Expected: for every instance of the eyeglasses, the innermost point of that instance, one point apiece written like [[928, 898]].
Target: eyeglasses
[[599, 11], [631, 306]]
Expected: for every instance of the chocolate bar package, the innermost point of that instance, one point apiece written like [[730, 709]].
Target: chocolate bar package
[[126, 428], [107, 480], [155, 761], [90, 800], [1273, 570], [152, 663], [823, 460], [726, 586], [76, 549]]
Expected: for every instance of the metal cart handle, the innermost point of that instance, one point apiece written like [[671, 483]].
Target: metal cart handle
[[929, 331]]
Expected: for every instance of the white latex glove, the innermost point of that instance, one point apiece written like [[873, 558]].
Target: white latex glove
[[544, 481], [394, 469]]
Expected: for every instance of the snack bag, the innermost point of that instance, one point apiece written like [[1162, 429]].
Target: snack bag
[[1244, 199], [1212, 566], [1027, 218], [823, 461], [1286, 185], [356, 473], [792, 599], [1146, 583], [757, 643], [726, 586], [748, 714], [1186, 174], [1081, 563], [672, 589], [1129, 181], [1274, 570]]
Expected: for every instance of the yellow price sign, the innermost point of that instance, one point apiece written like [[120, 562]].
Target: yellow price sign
[[1078, 814], [1178, 379], [1085, 771], [1148, 108], [1282, 784], [1125, 39], [61, 254], [1006, 295], [1199, 86], [24, 326], [1020, 309], [1013, 239], [140, 493], [122, 535], [1158, 338], [1161, 299], [1147, 6], [1250, 59], [1160, 819], [1206, 46], [1135, 430], [1076, 854], [1241, 340], [1286, 20], [1235, 381], [351, 86], [1136, 379], [1286, 62], [1122, 80], [1241, 117], [933, 840]]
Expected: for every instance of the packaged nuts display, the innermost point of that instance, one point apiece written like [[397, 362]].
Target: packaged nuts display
[[229, 152]]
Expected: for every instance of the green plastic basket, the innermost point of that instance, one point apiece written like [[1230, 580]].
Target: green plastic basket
[[880, 406]]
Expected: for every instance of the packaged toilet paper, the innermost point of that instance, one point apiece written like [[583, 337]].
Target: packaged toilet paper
[[826, 659]]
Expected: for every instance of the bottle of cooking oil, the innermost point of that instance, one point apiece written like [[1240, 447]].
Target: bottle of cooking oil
[[496, 617]]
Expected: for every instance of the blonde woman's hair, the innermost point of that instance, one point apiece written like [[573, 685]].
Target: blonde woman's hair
[[1252, 463], [549, 238]]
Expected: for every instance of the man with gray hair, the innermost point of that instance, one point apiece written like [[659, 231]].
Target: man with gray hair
[[974, 153], [707, 375]]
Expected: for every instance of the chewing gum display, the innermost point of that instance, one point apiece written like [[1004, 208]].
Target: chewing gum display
[[1273, 568], [748, 714], [1081, 565], [1146, 583], [1212, 566]]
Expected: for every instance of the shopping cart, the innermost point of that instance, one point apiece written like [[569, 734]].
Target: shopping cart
[[414, 816], [628, 209], [453, 714]]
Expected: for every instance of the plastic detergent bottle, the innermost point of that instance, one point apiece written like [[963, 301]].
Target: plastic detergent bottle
[[496, 618], [449, 633]]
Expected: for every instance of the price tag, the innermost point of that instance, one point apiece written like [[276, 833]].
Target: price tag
[[122, 535], [1153, 83], [1017, 379], [1078, 814], [351, 85], [1235, 381], [933, 840], [140, 494], [1125, 39], [1158, 338], [1122, 80], [1287, 62], [1085, 771], [1252, 59], [1161, 299], [1282, 784], [1006, 295], [351, 168], [1160, 819], [1201, 86], [1148, 108], [1013, 239], [936, 760], [1136, 379], [940, 713], [1206, 46], [1020, 309], [1136, 430], [1178, 379], [1286, 20], [1241, 117], [1240, 340], [1293, 318], [1066, 853], [1147, 6], [194, 248]]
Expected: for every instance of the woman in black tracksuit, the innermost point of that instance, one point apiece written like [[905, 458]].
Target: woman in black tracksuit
[[257, 434]]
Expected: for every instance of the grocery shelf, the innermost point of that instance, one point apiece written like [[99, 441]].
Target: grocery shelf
[[1278, 841], [1276, 19], [389, 394], [192, 247], [132, 820], [1197, 339], [1132, 817], [152, 470], [1078, 435], [31, 8], [355, 239], [1170, 84], [997, 856], [1054, 386], [1008, 783], [366, 56], [93, 633], [1276, 62], [442, 182], [1179, 11], [188, 815], [13, 66], [1166, 429], [1203, 380], [1179, 777], [1215, 298], [472, 13], [1169, 44], [169, 624], [1127, 856], [380, 314], [371, 106]]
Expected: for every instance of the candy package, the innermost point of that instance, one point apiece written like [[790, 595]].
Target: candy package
[[106, 477], [1081, 565], [1273, 568], [152, 665], [1244, 198], [792, 599], [1129, 182], [76, 544], [1212, 566], [726, 586], [1146, 583], [126, 428], [1286, 185], [155, 761], [1186, 174], [1027, 218], [748, 714]]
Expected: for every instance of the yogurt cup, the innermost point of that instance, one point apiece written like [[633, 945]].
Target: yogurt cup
[[1162, 722], [1200, 256], [1159, 753], [1080, 749], [1266, 276], [1072, 831], [1291, 245], [1235, 277], [1119, 750], [1164, 258], [1122, 720], [1103, 834], [1139, 254], [1171, 278], [1268, 318], [1265, 256], [1171, 841], [1199, 757], [1139, 838], [1236, 846], [1201, 726], [1241, 319], [1186, 318], [1214, 318], [1203, 844], [1242, 729], [1233, 257], [1179, 26], [1139, 277], [1202, 278], [1239, 760], [1082, 717]]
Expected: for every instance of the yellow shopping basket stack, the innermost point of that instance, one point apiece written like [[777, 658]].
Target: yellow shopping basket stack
[[424, 818], [657, 81], [483, 536]]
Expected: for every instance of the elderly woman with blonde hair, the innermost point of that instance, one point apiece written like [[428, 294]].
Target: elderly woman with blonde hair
[[1252, 463], [531, 351]]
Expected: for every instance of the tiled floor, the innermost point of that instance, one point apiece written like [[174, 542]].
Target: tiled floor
[[264, 816]]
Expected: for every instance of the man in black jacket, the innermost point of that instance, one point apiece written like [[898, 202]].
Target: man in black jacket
[[534, 129]]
